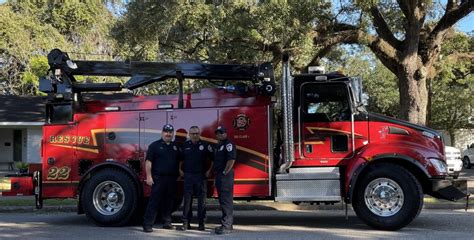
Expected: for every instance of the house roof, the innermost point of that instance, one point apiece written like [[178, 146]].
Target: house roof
[[21, 110]]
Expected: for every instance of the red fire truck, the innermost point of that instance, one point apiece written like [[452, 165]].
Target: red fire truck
[[314, 142]]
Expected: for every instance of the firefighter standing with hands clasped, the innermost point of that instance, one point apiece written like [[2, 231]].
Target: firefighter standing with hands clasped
[[162, 165], [224, 159], [193, 168]]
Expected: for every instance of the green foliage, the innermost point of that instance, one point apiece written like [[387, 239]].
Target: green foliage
[[234, 32], [22, 166], [453, 86], [30, 29], [378, 81]]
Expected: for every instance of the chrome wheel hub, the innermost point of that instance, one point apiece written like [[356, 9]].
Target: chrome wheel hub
[[108, 198], [384, 197]]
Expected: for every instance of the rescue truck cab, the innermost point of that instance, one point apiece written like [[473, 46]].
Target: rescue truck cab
[[313, 142]]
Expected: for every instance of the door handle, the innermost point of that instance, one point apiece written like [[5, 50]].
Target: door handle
[[309, 148]]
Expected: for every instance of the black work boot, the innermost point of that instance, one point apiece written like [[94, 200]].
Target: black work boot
[[185, 226], [167, 226], [222, 230], [201, 227], [147, 229]]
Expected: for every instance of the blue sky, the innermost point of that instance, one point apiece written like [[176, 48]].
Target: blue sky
[[467, 23]]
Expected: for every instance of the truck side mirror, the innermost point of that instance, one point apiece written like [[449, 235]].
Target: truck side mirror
[[365, 99]]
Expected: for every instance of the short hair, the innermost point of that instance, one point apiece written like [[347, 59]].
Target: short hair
[[195, 127]]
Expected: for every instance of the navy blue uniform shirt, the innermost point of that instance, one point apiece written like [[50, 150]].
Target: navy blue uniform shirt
[[195, 156], [164, 158], [223, 152]]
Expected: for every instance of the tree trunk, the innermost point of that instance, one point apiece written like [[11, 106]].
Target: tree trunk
[[430, 101], [413, 92], [452, 136]]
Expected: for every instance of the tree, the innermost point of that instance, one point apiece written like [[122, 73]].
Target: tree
[[30, 29], [452, 89], [405, 36], [23, 36], [231, 32]]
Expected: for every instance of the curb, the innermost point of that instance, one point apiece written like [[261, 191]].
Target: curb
[[430, 203]]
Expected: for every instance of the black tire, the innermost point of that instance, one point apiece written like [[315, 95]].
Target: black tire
[[97, 206], [466, 163], [456, 175], [386, 178]]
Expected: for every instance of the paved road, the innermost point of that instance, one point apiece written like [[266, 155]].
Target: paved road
[[431, 224]]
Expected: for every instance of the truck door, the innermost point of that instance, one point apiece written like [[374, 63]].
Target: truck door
[[326, 126], [151, 124], [59, 151]]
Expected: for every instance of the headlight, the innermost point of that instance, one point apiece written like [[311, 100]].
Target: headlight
[[440, 165]]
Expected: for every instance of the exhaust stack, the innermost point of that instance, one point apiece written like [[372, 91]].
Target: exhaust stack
[[287, 108]]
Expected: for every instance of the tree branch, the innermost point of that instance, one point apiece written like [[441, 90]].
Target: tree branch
[[451, 16], [432, 46], [315, 61], [384, 51], [382, 28], [405, 8]]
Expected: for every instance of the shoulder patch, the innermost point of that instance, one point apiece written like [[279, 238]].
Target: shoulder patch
[[229, 147]]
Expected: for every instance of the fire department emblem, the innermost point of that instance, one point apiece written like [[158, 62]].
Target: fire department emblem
[[201, 147], [229, 147], [241, 122]]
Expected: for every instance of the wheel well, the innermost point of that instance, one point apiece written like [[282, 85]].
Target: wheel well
[[419, 174], [101, 167]]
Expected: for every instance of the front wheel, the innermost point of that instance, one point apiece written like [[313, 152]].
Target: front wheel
[[109, 197], [388, 197], [466, 163]]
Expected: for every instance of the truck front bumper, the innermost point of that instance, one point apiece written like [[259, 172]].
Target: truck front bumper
[[449, 189]]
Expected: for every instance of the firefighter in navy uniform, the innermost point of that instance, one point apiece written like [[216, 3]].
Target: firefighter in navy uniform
[[162, 171], [224, 159], [195, 172]]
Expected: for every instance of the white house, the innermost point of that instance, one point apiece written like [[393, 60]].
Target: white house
[[21, 121]]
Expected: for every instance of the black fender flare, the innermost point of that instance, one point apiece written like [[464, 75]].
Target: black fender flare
[[101, 166], [378, 158]]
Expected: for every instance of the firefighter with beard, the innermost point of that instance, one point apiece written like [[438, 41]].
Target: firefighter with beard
[[162, 171]]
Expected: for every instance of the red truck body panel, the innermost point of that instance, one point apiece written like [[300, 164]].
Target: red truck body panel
[[120, 136]]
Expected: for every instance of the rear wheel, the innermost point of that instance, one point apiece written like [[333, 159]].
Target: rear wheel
[[466, 163], [109, 197], [388, 197]]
